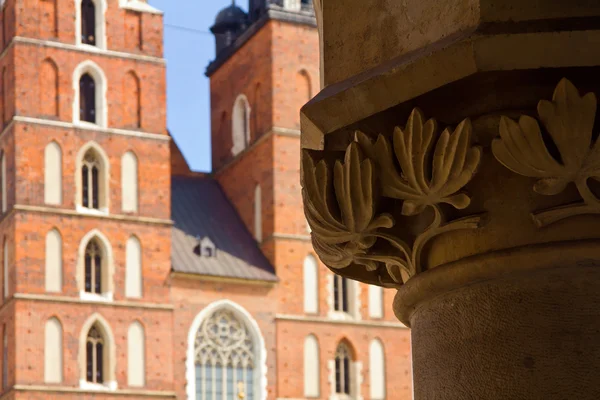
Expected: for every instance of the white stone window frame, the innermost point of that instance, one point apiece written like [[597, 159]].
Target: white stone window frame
[[356, 379], [104, 195], [130, 184], [240, 142], [100, 87], [134, 279], [110, 383], [377, 372], [53, 174], [100, 9], [53, 274], [258, 220], [53, 373], [260, 384], [310, 269], [315, 369], [134, 360], [108, 266], [354, 303], [376, 302]]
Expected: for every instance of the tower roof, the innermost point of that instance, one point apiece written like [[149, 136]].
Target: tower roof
[[229, 17]]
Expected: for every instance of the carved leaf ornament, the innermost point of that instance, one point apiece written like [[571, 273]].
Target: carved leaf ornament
[[420, 167], [569, 121]]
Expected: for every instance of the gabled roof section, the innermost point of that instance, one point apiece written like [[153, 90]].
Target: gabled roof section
[[200, 210]]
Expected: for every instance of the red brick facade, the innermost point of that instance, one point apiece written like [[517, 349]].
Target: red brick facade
[[40, 56], [277, 70]]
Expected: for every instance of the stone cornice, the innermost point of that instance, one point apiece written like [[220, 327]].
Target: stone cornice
[[139, 393], [454, 58], [324, 320], [77, 300], [74, 213], [87, 49], [92, 128]]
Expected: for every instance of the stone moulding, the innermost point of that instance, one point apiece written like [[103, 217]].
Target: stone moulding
[[569, 121], [420, 168]]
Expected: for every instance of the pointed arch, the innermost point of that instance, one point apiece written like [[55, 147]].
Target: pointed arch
[[53, 351], [312, 369], [345, 378], [136, 355], [132, 101], [129, 182], [133, 268], [5, 98], [92, 192], [3, 178], [53, 174], [100, 328], [304, 86], [311, 285], [5, 350], [98, 260], [5, 269], [53, 259], [89, 100], [259, 352], [240, 124], [258, 213], [90, 23], [377, 370], [2, 96], [257, 106], [49, 88], [49, 19]]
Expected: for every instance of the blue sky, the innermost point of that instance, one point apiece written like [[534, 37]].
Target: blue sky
[[189, 47]]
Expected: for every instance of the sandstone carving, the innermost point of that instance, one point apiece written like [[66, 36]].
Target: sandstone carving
[[569, 121], [421, 169]]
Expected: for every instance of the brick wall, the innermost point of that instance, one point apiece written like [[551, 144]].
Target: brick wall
[[40, 85], [125, 28]]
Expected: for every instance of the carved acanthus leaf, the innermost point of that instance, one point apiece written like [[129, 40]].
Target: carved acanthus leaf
[[420, 182], [569, 121], [424, 170], [343, 230]]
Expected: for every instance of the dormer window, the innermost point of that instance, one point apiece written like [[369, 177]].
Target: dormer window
[[205, 248], [88, 22]]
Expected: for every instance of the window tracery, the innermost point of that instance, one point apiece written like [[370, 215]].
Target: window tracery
[[224, 358], [94, 356], [342, 370]]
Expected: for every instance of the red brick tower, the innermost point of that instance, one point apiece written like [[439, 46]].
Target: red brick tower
[[266, 68], [85, 201]]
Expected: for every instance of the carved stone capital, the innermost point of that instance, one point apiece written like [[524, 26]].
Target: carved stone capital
[[520, 189]]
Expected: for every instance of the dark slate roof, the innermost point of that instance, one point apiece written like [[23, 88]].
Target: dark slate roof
[[200, 209]]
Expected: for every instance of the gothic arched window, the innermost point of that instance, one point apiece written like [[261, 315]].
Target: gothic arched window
[[340, 294], [88, 22], [342, 369], [224, 357], [94, 356], [90, 181], [87, 98], [93, 268]]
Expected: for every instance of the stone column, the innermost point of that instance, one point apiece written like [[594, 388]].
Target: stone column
[[453, 154]]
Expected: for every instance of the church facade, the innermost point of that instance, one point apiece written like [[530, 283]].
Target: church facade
[[127, 275]]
